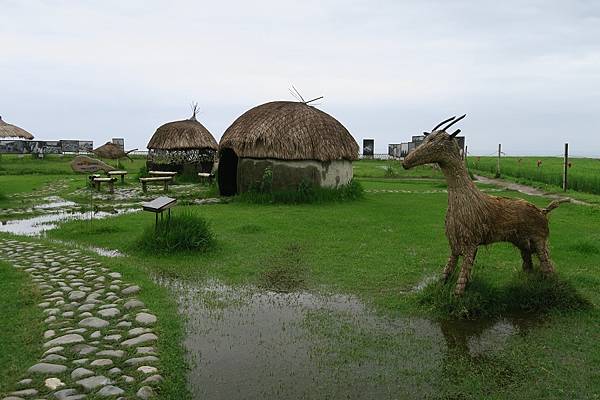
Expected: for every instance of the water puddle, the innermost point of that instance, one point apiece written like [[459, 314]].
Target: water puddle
[[54, 202], [37, 225], [246, 343], [105, 252]]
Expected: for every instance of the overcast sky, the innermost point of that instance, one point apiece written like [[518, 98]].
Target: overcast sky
[[527, 73]]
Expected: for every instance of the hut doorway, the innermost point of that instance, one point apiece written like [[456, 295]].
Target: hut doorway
[[228, 163]]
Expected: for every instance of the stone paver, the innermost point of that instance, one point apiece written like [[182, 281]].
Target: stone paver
[[97, 335]]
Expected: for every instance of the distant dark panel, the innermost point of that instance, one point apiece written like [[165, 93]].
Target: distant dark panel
[[69, 146], [368, 147]]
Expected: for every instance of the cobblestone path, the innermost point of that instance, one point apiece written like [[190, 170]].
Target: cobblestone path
[[99, 340]]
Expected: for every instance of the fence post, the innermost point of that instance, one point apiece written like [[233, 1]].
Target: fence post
[[498, 163], [566, 168]]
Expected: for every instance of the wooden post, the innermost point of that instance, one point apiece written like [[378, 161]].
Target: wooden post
[[498, 163], [566, 168]]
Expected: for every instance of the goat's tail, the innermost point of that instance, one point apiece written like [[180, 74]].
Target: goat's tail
[[554, 205]]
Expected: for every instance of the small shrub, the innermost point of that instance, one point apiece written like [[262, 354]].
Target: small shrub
[[304, 193], [143, 172], [389, 172], [185, 231]]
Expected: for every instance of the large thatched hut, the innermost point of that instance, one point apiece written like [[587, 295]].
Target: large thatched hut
[[13, 131], [297, 142], [183, 146]]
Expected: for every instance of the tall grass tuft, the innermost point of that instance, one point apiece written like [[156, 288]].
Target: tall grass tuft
[[304, 193], [526, 293], [184, 232]]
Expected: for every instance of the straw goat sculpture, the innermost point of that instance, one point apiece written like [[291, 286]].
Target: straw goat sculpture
[[475, 218]]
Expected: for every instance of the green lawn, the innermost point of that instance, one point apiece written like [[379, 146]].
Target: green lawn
[[379, 248], [21, 322]]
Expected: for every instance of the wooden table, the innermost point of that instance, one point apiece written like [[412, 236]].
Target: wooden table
[[122, 173], [158, 205]]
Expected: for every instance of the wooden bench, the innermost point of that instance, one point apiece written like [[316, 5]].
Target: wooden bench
[[114, 173], [96, 181], [170, 174], [205, 177], [164, 179]]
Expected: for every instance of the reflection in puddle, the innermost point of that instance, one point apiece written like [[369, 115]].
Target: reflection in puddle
[[252, 344]]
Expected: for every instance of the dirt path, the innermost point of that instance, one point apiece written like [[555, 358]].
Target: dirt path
[[527, 189]]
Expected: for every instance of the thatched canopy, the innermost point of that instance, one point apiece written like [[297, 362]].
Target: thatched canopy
[[109, 150], [182, 135], [289, 130], [12, 131]]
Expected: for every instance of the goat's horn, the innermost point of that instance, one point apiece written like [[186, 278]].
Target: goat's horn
[[455, 121], [456, 132], [426, 133], [442, 123]]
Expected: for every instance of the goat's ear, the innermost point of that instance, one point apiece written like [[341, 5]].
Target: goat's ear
[[453, 135], [425, 133]]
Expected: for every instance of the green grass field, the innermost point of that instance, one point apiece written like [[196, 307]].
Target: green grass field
[[379, 249], [583, 174], [21, 321]]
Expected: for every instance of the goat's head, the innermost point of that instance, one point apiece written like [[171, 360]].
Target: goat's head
[[437, 147]]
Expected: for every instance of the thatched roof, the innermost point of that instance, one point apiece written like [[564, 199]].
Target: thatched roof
[[289, 130], [12, 131], [183, 135], [109, 150]]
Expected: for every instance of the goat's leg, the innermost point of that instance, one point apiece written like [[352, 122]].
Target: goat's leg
[[541, 248], [525, 248], [450, 266], [465, 271]]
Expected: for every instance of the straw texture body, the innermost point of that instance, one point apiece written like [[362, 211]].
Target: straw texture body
[[475, 218]]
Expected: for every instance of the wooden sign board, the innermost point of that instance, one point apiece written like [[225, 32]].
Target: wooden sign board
[[87, 164], [159, 204]]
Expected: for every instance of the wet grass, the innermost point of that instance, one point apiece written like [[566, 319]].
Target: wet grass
[[20, 319], [527, 293], [285, 272]]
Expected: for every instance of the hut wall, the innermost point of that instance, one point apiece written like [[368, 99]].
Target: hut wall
[[290, 174]]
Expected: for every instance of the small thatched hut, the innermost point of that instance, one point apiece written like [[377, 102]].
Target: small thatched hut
[[183, 146], [111, 151], [298, 142], [12, 131]]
